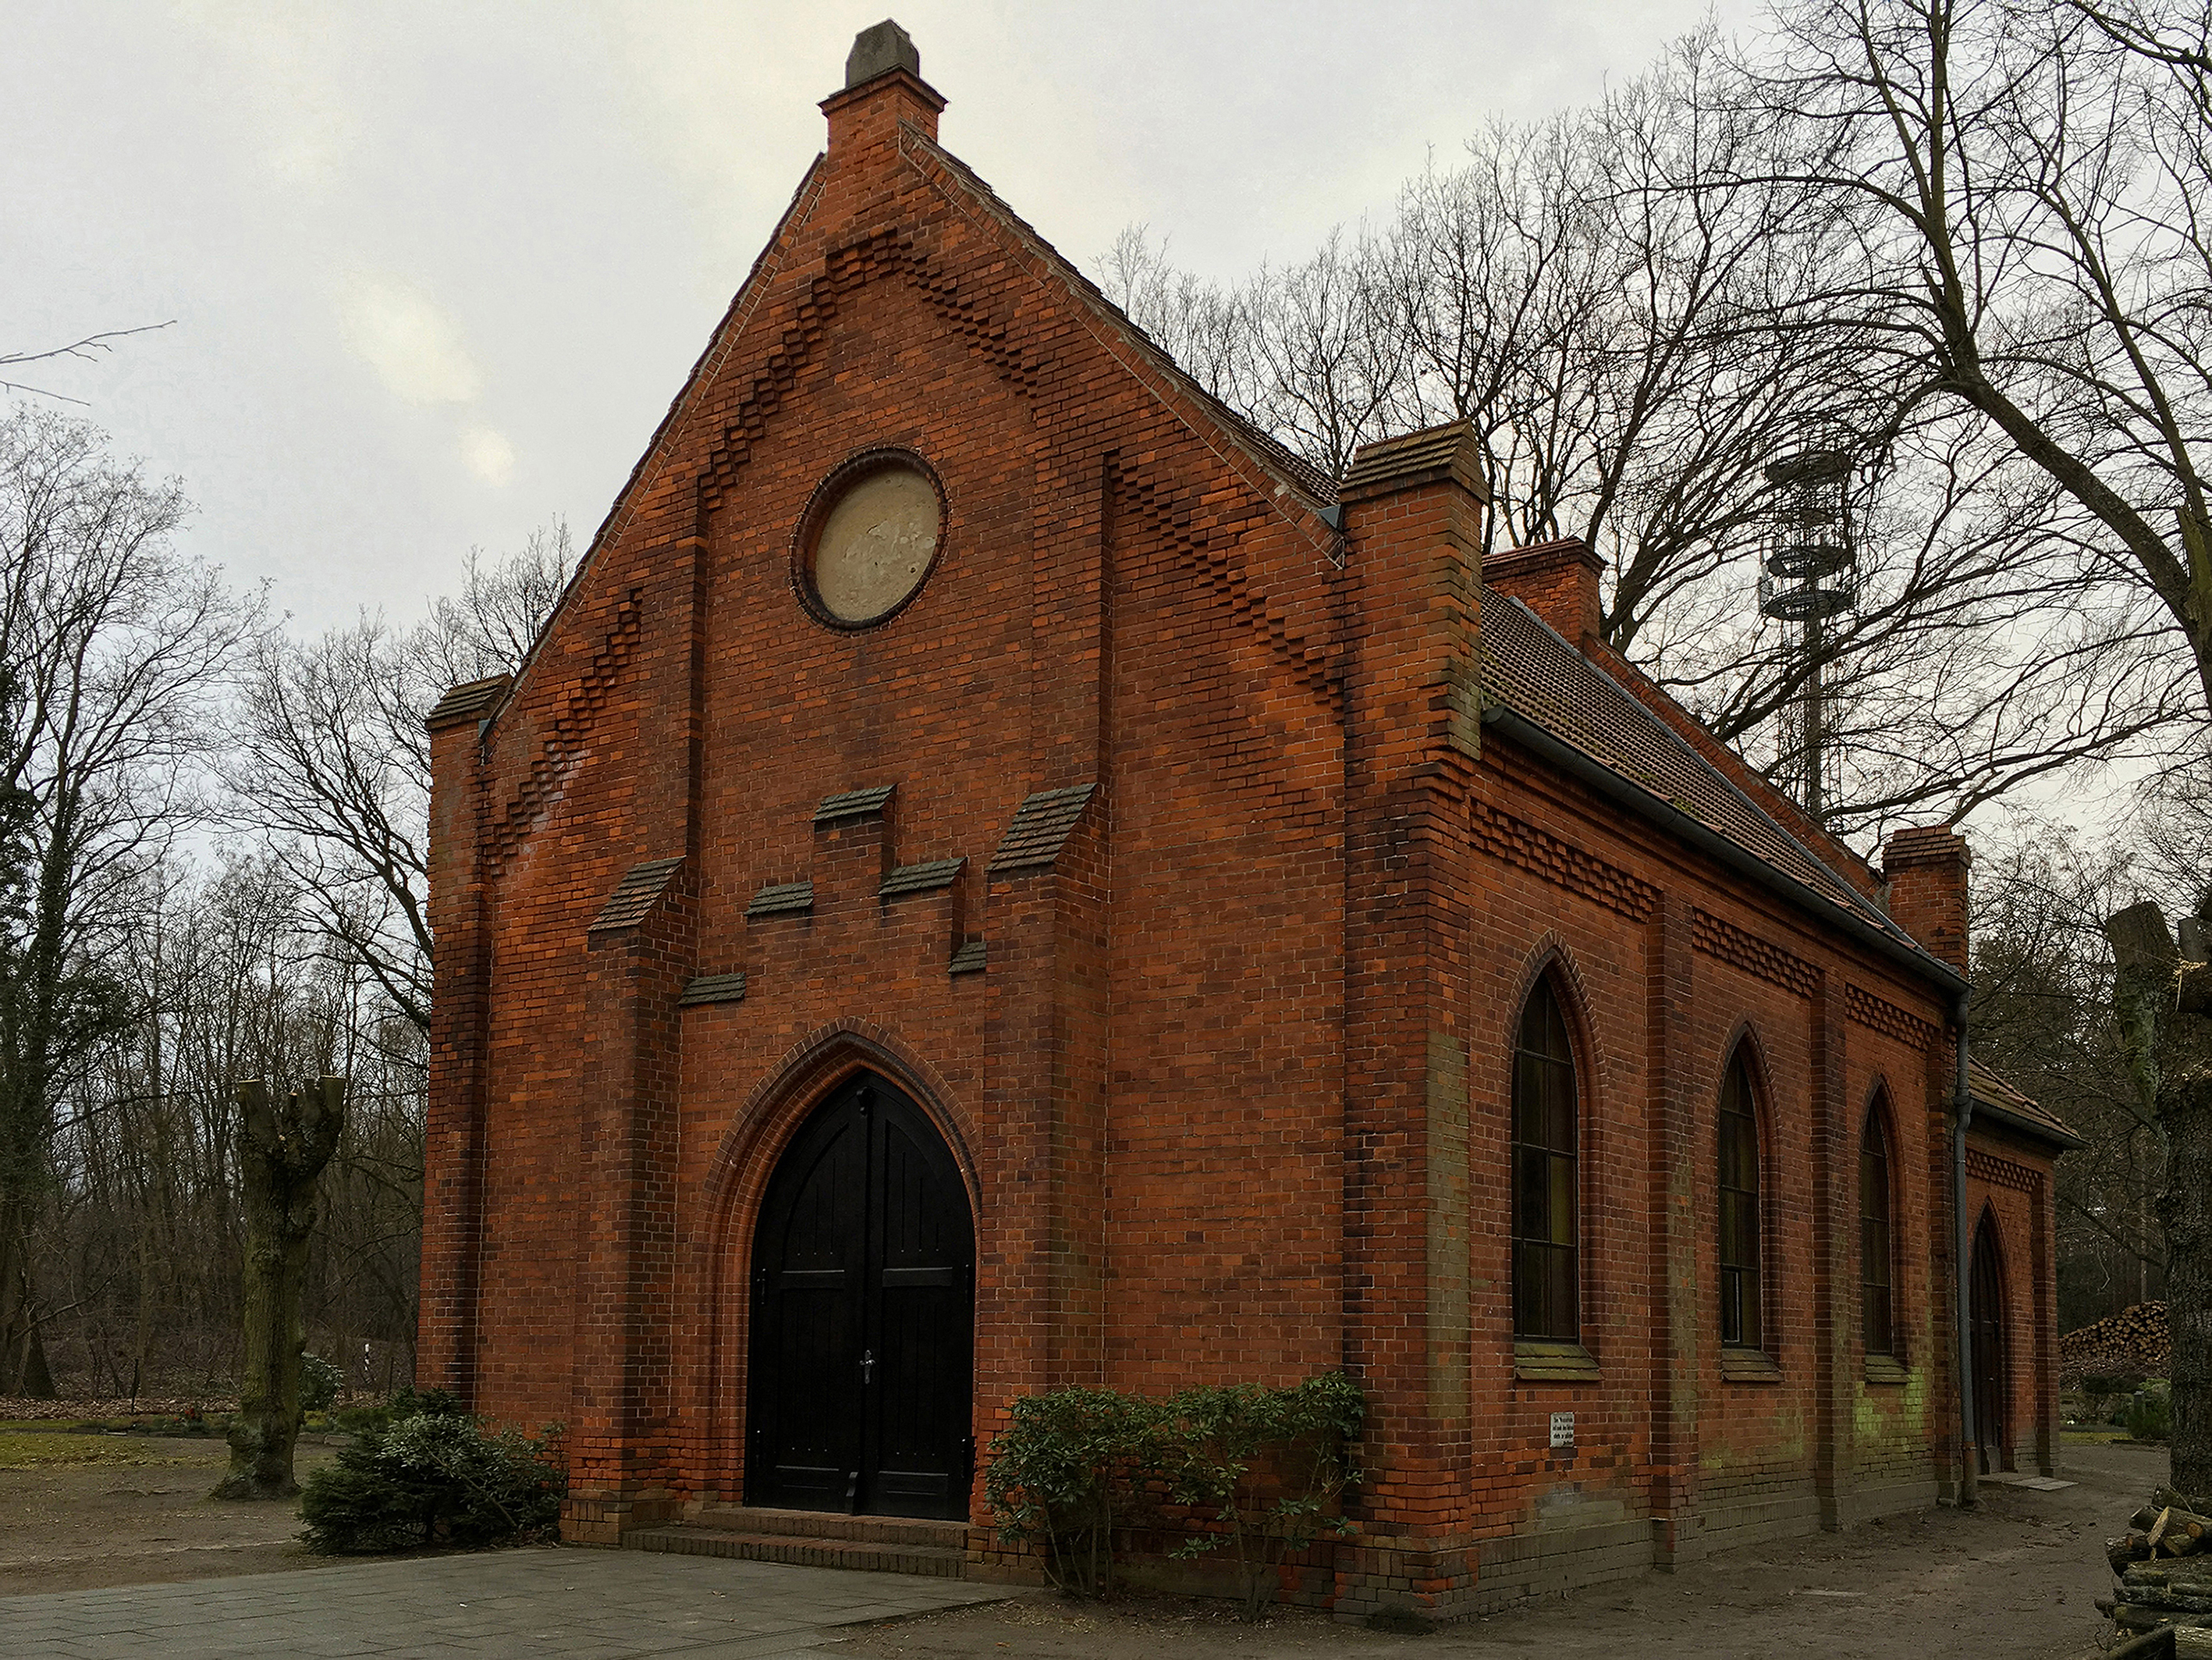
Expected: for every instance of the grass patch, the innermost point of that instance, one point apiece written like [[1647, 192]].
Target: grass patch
[[34, 1450]]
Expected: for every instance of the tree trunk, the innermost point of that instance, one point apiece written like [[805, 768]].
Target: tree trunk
[[22, 1349], [282, 1151], [2185, 1107], [2162, 994]]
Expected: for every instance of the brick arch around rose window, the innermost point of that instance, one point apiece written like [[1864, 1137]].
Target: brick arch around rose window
[[1551, 961], [737, 1182], [1745, 1045]]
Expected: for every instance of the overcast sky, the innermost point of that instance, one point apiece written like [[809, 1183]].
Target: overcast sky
[[437, 269]]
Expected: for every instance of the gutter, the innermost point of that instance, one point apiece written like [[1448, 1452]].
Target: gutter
[[1671, 818]]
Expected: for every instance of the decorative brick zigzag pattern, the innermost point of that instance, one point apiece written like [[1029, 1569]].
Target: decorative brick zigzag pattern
[[1887, 1018], [1745, 951], [1202, 546], [2002, 1172], [1211, 551], [1562, 863], [562, 750]]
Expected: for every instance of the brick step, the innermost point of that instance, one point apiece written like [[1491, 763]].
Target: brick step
[[829, 1525], [873, 1556]]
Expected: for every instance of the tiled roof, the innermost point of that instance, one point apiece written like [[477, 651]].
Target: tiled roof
[[920, 878], [634, 894], [1041, 827], [853, 804], [713, 988], [475, 697], [1440, 452], [781, 899], [1990, 1091], [1532, 671]]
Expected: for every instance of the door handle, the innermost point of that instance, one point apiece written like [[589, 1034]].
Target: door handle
[[868, 1367]]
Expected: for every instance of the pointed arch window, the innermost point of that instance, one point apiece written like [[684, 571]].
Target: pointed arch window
[[1741, 1326], [1876, 1325], [1546, 1269]]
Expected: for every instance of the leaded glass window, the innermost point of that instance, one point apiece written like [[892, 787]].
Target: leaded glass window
[[1547, 1301], [1741, 1325], [1875, 1313]]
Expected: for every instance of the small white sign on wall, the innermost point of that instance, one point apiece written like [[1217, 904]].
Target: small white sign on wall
[[1563, 1430]]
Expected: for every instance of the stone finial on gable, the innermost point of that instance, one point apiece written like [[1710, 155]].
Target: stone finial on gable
[[883, 90], [879, 51]]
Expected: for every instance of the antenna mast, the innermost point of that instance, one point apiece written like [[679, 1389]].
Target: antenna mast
[[1808, 577]]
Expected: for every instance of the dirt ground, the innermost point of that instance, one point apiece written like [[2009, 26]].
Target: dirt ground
[[138, 1514], [2015, 1580]]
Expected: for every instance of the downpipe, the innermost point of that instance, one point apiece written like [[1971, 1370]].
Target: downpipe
[[1962, 1109]]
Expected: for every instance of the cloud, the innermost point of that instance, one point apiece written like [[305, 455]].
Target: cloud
[[488, 454], [288, 56], [415, 348]]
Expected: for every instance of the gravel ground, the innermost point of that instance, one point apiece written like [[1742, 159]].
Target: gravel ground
[[2016, 1579]]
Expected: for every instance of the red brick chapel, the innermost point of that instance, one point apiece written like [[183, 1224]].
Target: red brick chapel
[[996, 876]]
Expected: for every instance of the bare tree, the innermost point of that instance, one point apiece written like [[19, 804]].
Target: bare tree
[[2043, 1018], [88, 348], [1636, 312], [2023, 181], [117, 646], [333, 766]]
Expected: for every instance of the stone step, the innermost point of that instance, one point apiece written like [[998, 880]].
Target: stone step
[[873, 1556], [829, 1525]]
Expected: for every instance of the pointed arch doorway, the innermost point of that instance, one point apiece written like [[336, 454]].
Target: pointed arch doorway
[[862, 1330], [1991, 1394]]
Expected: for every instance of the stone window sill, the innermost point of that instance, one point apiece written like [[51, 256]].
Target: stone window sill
[[1884, 1368], [1545, 1361], [1741, 1365]]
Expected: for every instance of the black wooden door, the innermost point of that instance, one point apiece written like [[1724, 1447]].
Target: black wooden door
[[1990, 1428], [863, 1316]]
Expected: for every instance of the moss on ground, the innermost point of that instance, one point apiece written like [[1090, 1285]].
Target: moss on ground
[[31, 1450]]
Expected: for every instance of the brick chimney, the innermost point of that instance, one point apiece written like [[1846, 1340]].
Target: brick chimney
[[1925, 871], [883, 87], [1558, 580]]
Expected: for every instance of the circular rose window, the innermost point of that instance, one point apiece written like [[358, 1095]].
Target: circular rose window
[[874, 541]]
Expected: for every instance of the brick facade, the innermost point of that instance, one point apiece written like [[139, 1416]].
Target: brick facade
[[1194, 899]]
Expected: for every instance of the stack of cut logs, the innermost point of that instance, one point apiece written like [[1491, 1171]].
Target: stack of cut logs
[[2131, 1344], [2163, 1604]]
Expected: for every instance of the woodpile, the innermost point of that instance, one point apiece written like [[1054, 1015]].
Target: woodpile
[[2133, 1344], [2162, 1604]]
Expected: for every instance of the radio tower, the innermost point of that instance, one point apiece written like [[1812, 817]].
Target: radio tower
[[1808, 577]]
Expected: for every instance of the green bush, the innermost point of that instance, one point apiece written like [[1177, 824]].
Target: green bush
[[403, 1402], [1068, 1473], [2150, 1412], [1269, 1464], [320, 1382], [434, 1477], [1260, 1470]]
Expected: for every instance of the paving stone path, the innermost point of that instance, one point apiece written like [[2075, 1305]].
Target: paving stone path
[[603, 1604]]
